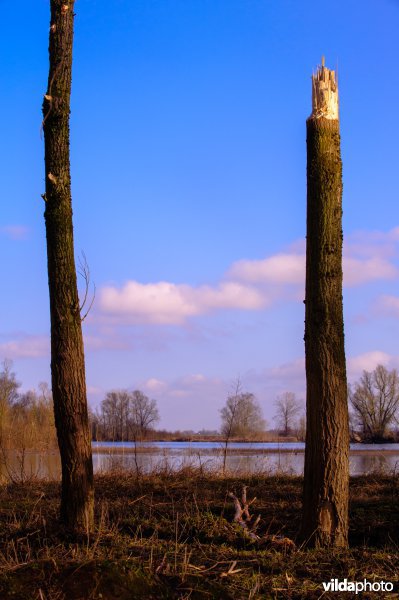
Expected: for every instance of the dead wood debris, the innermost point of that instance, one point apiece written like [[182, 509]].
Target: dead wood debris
[[244, 519]]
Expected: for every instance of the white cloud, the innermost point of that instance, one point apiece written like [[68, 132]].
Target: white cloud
[[37, 346], [180, 393], [193, 401], [154, 385], [281, 269], [358, 271], [288, 372], [196, 378], [388, 305], [27, 347], [189, 401], [367, 362], [248, 284], [15, 232], [275, 380], [105, 342], [169, 303], [94, 390], [372, 243], [369, 256], [365, 259]]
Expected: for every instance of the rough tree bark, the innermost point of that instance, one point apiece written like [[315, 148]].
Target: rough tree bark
[[67, 354], [326, 476]]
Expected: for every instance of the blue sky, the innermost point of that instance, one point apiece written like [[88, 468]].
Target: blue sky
[[189, 192]]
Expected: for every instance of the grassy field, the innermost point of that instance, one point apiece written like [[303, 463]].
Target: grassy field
[[172, 536]]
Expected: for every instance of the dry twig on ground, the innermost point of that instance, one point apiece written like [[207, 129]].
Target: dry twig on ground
[[244, 519]]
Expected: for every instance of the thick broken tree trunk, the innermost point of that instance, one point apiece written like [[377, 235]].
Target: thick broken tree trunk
[[67, 354], [326, 477]]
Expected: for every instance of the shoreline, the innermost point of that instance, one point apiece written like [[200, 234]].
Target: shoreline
[[117, 450], [219, 451]]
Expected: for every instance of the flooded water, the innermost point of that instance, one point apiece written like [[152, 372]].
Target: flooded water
[[267, 458]]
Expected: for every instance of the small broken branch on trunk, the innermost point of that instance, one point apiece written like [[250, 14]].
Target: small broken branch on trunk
[[84, 271]]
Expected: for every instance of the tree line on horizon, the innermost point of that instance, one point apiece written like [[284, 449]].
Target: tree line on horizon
[[27, 418]]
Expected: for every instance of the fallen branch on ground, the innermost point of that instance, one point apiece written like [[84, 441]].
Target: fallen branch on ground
[[242, 516], [244, 519]]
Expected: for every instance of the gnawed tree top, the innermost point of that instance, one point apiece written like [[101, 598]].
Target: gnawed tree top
[[324, 94]]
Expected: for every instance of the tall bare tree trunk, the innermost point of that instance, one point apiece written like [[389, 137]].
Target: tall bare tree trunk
[[67, 354], [326, 477]]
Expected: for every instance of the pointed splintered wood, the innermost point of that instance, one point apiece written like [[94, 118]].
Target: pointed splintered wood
[[324, 94]]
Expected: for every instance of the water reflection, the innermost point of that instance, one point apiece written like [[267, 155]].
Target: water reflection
[[271, 463], [169, 461], [17, 466], [373, 463], [21, 466]]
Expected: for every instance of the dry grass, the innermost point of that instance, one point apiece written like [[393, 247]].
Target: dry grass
[[171, 536]]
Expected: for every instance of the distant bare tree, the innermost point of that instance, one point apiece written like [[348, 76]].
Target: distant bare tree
[[124, 416], [241, 416], [375, 401], [8, 392], [143, 414], [8, 383], [27, 419], [115, 412], [287, 409]]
